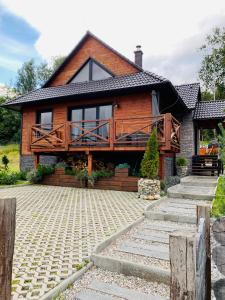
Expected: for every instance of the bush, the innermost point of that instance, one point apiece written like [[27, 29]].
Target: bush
[[7, 178], [36, 176], [61, 165], [123, 166], [82, 175], [150, 161], [5, 161], [218, 208], [96, 175], [181, 161], [22, 175]]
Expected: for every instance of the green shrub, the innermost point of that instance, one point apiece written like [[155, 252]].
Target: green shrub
[[82, 175], [7, 178], [218, 208], [22, 175], [61, 164], [5, 161], [96, 175], [150, 161], [181, 161], [36, 176], [123, 166]]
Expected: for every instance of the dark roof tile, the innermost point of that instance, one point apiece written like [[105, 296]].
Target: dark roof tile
[[84, 88], [210, 110], [189, 93]]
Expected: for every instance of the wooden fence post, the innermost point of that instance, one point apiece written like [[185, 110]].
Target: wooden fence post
[[203, 211], [7, 238], [182, 265]]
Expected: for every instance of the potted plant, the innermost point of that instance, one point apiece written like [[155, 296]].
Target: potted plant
[[182, 166], [149, 185]]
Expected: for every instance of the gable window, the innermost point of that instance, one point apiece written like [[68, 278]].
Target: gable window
[[44, 119], [91, 70]]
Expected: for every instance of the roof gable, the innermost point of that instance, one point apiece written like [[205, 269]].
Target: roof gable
[[189, 93], [91, 46]]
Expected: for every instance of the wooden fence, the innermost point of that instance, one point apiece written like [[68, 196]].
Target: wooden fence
[[7, 238], [190, 261]]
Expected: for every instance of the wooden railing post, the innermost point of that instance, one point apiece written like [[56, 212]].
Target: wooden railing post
[[203, 211], [7, 238], [167, 126], [182, 264], [111, 132]]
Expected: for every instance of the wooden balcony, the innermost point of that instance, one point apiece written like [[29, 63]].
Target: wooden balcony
[[129, 134]]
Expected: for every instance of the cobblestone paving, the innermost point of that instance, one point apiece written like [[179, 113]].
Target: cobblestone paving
[[57, 228]]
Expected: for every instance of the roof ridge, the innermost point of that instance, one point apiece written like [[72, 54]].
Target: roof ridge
[[156, 76], [183, 84]]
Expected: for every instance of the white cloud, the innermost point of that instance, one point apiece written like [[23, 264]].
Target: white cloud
[[170, 30], [9, 63]]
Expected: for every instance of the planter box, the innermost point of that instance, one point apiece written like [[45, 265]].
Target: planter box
[[59, 178]]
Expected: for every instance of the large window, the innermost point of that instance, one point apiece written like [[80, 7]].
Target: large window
[[91, 115], [92, 70], [44, 119]]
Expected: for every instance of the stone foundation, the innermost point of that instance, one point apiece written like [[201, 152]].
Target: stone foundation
[[27, 161]]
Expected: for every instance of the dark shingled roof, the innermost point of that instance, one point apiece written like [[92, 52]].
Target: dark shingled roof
[[140, 79], [210, 110], [189, 93]]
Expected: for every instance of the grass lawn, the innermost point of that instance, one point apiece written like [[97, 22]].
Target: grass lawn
[[12, 152], [218, 209]]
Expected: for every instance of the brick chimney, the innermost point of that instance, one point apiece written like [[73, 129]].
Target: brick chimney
[[138, 56]]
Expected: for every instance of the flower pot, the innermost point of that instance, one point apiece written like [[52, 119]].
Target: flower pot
[[148, 189], [182, 171]]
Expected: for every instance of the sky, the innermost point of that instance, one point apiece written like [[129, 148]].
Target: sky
[[170, 32]]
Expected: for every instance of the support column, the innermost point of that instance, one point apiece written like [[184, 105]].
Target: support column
[[36, 160], [90, 163]]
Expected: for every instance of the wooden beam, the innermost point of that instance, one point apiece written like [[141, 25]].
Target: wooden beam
[[36, 160], [90, 163], [203, 211], [7, 239]]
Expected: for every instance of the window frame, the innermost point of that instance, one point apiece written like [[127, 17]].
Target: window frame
[[90, 61], [97, 106], [38, 116]]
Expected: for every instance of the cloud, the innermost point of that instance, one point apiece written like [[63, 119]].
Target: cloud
[[170, 32]]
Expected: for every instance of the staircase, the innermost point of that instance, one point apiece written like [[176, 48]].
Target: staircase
[[206, 165]]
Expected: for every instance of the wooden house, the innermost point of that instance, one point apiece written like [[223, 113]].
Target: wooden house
[[100, 104]]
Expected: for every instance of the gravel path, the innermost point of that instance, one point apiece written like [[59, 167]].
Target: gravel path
[[131, 282]]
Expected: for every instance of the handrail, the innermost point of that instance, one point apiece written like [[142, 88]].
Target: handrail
[[114, 132]]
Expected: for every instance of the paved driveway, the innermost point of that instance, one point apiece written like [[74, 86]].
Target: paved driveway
[[57, 228]]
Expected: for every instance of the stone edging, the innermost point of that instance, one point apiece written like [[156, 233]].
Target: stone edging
[[131, 269], [14, 185], [65, 283]]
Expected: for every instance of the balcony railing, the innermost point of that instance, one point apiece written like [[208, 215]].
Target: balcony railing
[[110, 134]]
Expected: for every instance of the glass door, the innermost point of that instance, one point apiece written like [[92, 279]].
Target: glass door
[[90, 113]]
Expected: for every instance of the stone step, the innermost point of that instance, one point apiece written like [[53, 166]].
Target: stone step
[[153, 237], [204, 181], [191, 192], [92, 295], [159, 252], [120, 292], [163, 228], [177, 210]]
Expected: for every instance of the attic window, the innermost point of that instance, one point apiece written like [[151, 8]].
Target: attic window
[[91, 70]]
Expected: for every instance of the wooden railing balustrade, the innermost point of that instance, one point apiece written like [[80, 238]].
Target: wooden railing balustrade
[[110, 134]]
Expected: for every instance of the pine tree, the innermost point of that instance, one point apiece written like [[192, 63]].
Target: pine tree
[[150, 161]]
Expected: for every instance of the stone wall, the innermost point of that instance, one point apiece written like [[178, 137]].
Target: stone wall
[[27, 161], [168, 167], [187, 137]]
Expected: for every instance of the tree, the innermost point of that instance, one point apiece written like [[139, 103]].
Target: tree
[[26, 78], [221, 140], [5, 161], [9, 124], [212, 71], [150, 161], [31, 76]]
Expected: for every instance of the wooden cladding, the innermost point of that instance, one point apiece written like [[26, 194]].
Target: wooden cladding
[[102, 135]]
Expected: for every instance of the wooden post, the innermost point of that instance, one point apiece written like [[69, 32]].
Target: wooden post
[[36, 160], [167, 128], [90, 163], [7, 238], [111, 133], [182, 264], [203, 211]]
